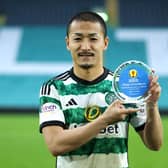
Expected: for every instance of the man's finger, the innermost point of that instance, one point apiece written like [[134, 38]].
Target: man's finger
[[129, 110]]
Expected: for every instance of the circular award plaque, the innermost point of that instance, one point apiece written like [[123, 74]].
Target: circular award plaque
[[131, 81]]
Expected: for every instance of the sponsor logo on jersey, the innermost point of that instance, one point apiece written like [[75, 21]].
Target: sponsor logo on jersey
[[75, 125], [133, 73], [142, 108], [92, 112], [48, 107], [110, 97], [71, 102], [110, 129]]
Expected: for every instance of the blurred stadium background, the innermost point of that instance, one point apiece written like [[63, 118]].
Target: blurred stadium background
[[32, 49]]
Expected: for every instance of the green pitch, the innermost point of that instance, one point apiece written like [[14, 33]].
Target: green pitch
[[22, 146]]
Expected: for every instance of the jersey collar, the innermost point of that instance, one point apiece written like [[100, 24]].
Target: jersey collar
[[85, 82]]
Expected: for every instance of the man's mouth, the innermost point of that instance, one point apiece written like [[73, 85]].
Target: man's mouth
[[85, 54]]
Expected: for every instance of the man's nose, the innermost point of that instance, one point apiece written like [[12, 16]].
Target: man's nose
[[85, 45]]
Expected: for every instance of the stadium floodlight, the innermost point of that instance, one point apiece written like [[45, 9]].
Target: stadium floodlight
[[102, 13]]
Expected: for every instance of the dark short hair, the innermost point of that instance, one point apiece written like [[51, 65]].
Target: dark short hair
[[88, 16]]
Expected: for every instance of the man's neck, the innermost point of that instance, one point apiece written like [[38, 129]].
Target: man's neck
[[89, 74]]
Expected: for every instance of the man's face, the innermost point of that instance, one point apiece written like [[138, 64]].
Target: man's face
[[86, 43]]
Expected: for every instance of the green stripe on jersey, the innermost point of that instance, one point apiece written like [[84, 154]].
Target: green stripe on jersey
[[104, 145], [45, 99], [78, 89]]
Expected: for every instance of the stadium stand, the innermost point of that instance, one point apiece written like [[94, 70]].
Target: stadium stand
[[35, 31]]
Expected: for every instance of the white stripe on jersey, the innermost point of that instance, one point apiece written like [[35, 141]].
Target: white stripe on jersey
[[111, 160], [85, 100], [118, 130]]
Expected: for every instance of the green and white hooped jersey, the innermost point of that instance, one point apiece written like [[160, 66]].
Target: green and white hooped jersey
[[70, 102]]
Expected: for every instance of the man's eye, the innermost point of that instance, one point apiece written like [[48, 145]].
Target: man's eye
[[93, 39], [77, 39]]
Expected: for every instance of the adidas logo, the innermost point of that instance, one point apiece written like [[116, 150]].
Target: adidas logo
[[71, 102]]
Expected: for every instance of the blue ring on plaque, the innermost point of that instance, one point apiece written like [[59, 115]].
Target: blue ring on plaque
[[131, 81]]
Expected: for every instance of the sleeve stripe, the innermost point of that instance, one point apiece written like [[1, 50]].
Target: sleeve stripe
[[42, 89], [51, 123], [46, 88], [140, 128]]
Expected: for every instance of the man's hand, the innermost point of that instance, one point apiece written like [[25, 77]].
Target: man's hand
[[154, 90], [117, 112]]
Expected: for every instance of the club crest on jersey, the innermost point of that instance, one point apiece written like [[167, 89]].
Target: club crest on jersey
[[92, 112], [110, 97]]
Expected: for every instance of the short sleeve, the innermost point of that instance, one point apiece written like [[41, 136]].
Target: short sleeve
[[50, 112], [139, 119]]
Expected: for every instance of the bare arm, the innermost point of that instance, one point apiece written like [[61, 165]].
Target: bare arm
[[152, 135], [60, 141]]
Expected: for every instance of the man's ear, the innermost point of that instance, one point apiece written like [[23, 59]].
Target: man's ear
[[67, 42], [106, 42]]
